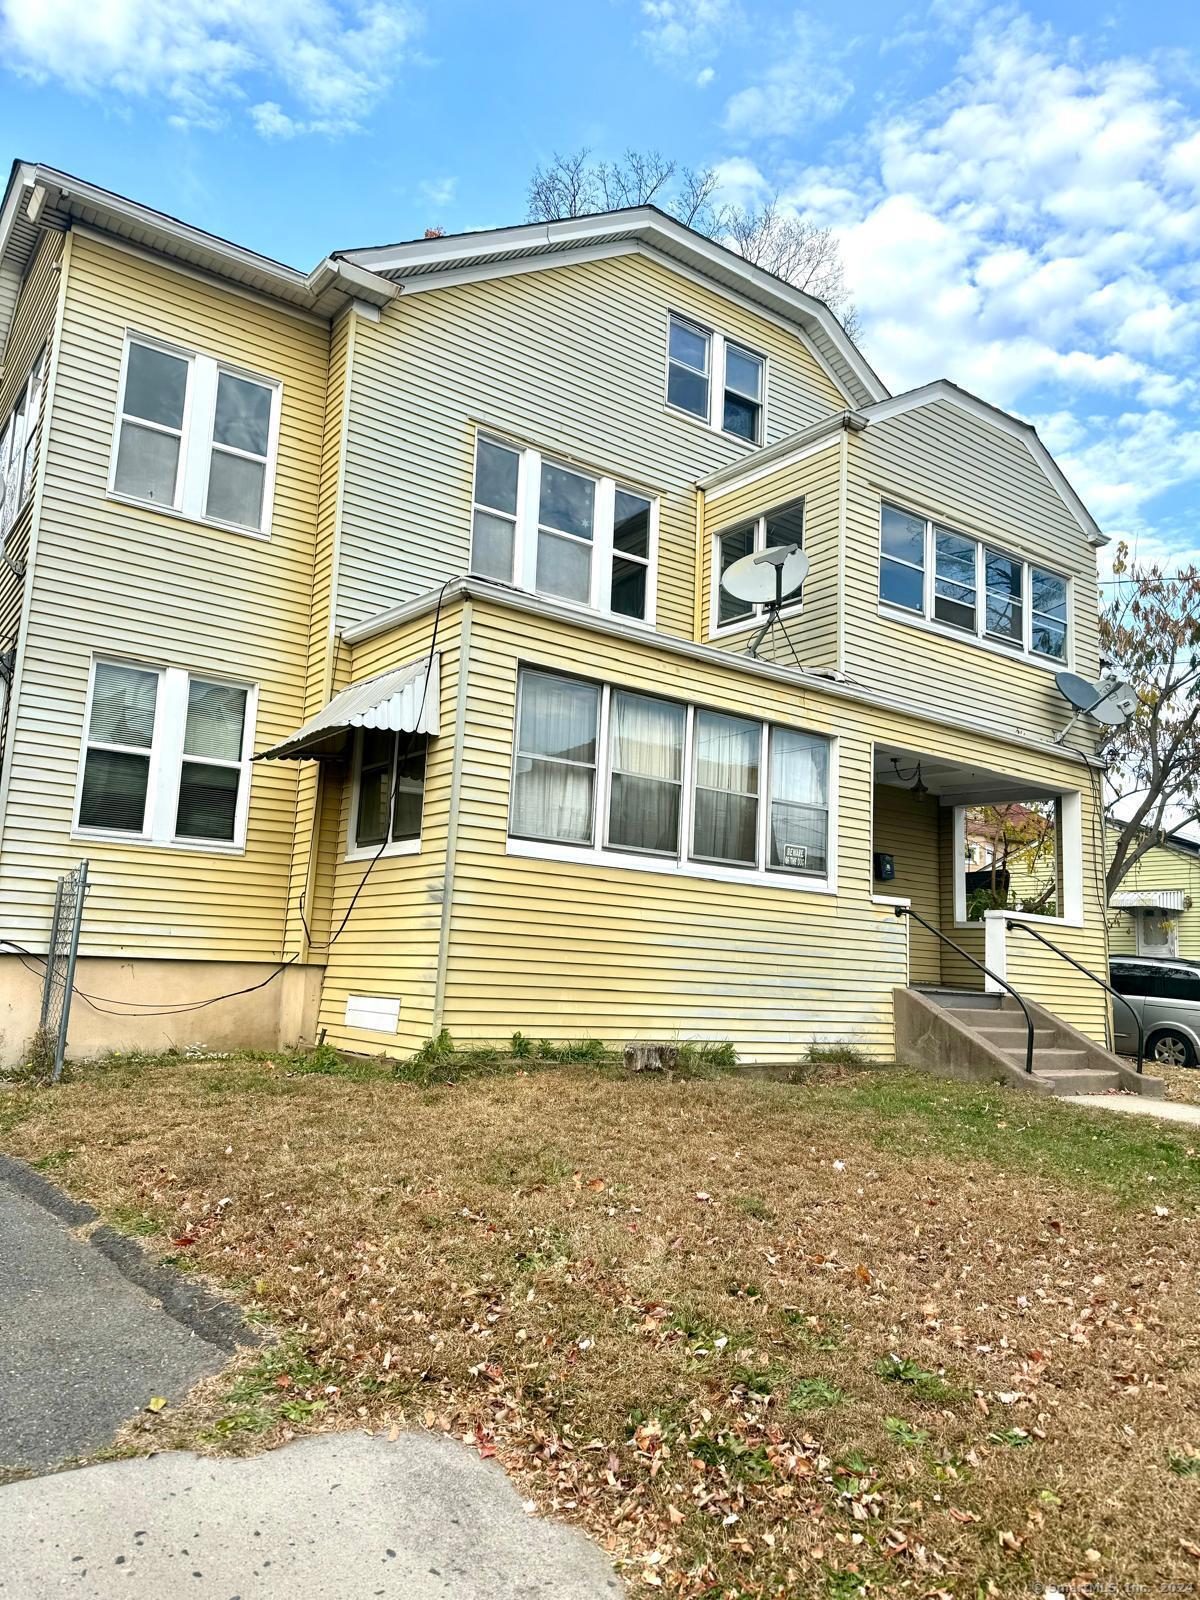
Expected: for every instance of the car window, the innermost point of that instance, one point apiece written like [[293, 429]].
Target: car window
[[1180, 985], [1129, 978]]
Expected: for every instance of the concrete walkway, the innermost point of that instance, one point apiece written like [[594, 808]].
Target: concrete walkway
[[338, 1516], [1133, 1105]]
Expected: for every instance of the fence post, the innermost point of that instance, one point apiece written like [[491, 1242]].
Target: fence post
[[48, 980]]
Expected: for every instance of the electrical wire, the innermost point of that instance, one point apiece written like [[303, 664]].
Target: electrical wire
[[387, 832], [108, 1005]]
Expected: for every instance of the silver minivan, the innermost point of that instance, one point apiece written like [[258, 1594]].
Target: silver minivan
[[1166, 994]]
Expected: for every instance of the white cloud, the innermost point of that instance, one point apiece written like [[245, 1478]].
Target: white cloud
[[438, 191], [331, 60], [803, 85], [704, 77], [740, 183], [680, 33], [1032, 231]]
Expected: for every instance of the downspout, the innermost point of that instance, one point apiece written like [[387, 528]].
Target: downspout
[[329, 645], [460, 723], [698, 579], [843, 480]]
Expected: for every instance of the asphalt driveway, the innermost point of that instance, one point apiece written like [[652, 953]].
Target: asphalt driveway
[[91, 1329]]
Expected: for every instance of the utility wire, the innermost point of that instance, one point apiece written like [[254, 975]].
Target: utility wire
[[105, 1004]]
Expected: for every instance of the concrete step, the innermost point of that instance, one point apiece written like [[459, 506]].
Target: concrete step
[[1006, 1036], [1083, 1080], [982, 1019], [963, 999]]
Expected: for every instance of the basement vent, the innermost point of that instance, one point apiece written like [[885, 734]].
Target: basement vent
[[375, 1013]]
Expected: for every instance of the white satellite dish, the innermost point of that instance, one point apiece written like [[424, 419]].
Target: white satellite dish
[[768, 577], [1109, 702]]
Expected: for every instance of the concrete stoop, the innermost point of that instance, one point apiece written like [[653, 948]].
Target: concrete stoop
[[966, 1034]]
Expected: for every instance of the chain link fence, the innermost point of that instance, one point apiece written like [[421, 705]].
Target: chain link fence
[[60, 965]]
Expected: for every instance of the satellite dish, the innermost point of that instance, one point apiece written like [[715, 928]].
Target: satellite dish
[[767, 577], [1109, 702]]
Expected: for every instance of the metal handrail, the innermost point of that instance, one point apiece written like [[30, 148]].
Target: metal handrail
[[907, 911], [1088, 973]]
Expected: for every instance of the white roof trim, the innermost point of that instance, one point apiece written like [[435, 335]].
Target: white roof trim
[[943, 390], [642, 223], [1148, 900], [405, 700]]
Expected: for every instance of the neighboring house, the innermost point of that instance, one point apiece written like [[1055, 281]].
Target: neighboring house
[[1156, 911], [436, 531]]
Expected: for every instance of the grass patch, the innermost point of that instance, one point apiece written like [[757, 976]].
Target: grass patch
[[921, 1383], [661, 1300]]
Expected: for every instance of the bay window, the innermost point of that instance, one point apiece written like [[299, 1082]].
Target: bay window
[[620, 777], [195, 436], [557, 530], [166, 757], [782, 526], [964, 584]]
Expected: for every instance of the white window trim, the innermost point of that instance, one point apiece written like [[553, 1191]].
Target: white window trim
[[793, 608], [392, 847], [166, 761], [196, 443], [30, 396], [681, 864], [717, 344], [1070, 848], [526, 526], [979, 635]]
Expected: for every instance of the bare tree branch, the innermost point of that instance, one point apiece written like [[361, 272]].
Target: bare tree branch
[[1151, 634], [790, 246]]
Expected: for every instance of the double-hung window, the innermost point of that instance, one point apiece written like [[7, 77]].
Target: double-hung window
[[714, 379], [782, 526], [166, 757], [617, 776], [18, 446], [196, 436], [963, 583], [557, 530], [389, 792], [1048, 604]]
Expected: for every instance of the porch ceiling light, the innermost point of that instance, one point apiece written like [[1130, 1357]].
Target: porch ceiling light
[[920, 788]]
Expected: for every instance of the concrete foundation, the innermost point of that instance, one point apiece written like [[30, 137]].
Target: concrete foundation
[[281, 1013]]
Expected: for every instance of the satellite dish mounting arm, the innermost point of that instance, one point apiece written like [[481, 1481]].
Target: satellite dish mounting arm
[[772, 608]]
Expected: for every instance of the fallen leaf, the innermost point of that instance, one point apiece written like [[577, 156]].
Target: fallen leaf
[[157, 1402]]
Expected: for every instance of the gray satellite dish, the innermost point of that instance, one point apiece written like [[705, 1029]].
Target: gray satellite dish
[[768, 577], [1110, 701]]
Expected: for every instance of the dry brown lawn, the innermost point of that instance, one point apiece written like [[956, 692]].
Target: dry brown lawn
[[862, 1335]]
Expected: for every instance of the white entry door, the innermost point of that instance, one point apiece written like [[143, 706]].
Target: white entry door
[[1156, 933]]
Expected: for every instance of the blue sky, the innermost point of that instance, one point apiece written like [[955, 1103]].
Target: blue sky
[[1016, 187]]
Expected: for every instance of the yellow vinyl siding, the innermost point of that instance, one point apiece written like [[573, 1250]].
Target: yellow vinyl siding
[[941, 462], [571, 360], [909, 829], [324, 646], [127, 581], [1161, 868], [389, 945], [566, 948], [813, 629]]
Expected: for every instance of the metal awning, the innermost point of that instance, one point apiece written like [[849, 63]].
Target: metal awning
[[1148, 900], [405, 701]]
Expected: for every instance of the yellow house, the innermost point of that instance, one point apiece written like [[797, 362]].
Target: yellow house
[[373, 646], [1156, 910]]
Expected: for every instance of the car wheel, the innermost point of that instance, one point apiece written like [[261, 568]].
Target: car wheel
[[1172, 1050]]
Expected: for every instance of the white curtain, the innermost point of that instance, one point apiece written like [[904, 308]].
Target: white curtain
[[799, 800], [554, 778], [647, 762], [726, 819]]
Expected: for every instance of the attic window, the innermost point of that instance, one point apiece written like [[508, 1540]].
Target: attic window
[[720, 383]]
